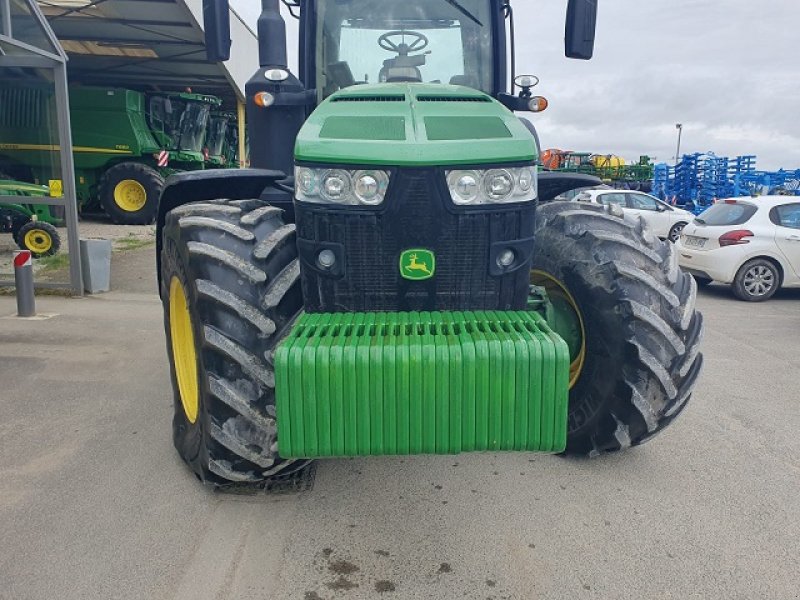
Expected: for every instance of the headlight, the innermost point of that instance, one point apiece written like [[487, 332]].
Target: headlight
[[339, 186], [463, 186], [492, 186]]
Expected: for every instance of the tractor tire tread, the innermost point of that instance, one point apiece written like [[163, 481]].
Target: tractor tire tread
[[643, 305], [217, 248]]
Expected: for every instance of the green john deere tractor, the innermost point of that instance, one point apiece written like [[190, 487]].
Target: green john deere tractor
[[33, 226], [125, 143], [393, 278]]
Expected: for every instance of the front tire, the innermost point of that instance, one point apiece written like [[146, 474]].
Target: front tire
[[639, 359], [129, 193], [236, 264]]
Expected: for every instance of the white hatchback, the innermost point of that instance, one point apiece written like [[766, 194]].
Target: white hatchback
[[664, 220], [753, 244]]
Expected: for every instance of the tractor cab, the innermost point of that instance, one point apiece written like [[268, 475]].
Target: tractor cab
[[179, 122], [381, 41]]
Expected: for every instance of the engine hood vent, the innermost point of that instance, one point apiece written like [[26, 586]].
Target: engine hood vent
[[381, 98], [430, 98]]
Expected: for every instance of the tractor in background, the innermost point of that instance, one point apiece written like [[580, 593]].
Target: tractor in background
[[393, 275], [33, 226]]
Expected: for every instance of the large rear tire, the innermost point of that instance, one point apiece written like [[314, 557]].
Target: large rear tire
[[129, 193], [230, 289], [638, 361]]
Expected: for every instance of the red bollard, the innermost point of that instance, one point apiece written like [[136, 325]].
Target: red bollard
[[23, 279]]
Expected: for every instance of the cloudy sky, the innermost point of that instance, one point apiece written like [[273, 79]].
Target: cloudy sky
[[729, 71]]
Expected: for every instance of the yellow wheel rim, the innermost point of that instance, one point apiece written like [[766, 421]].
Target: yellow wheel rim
[[130, 195], [38, 241], [184, 354], [558, 291]]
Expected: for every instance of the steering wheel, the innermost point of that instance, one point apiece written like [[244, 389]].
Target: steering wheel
[[420, 42]]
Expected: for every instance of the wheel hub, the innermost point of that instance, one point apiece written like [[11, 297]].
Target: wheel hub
[[130, 195], [38, 241], [565, 318], [184, 354], [758, 281]]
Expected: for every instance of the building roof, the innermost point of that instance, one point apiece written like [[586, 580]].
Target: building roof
[[149, 45]]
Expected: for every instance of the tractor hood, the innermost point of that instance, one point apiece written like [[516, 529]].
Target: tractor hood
[[413, 124]]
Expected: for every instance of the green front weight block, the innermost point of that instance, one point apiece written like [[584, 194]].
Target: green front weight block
[[358, 384]]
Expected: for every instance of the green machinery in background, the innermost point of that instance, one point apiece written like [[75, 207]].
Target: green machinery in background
[[125, 143], [32, 225], [222, 141], [612, 169]]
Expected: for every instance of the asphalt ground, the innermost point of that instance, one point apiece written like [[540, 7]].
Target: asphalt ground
[[94, 502]]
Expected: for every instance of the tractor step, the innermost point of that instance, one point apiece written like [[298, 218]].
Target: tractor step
[[357, 384]]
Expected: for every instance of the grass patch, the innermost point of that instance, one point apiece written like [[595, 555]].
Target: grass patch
[[132, 243], [53, 263]]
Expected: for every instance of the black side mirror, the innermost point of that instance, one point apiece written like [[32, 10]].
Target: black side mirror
[[217, 25], [580, 29]]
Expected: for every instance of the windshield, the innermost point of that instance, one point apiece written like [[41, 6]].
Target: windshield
[[217, 129], [193, 123], [374, 41]]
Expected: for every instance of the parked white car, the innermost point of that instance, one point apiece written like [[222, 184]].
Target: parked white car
[[753, 244], [664, 220]]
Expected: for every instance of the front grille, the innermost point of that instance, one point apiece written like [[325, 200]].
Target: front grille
[[415, 216]]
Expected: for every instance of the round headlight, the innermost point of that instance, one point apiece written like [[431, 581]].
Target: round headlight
[[498, 184], [335, 185], [370, 186], [306, 182], [525, 180], [464, 185]]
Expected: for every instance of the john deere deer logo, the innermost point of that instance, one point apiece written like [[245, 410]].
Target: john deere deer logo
[[417, 264]]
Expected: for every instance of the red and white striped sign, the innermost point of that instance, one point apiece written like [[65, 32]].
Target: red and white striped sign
[[22, 258], [163, 158]]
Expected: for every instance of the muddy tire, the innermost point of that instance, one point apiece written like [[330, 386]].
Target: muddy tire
[[129, 193], [236, 264], [41, 239], [641, 331]]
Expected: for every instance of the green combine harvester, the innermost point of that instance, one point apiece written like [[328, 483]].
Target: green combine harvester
[[33, 226], [125, 143], [393, 277]]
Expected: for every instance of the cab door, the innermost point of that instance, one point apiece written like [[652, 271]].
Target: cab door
[[787, 232]]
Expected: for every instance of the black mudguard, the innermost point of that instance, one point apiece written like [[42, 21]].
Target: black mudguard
[[211, 184]]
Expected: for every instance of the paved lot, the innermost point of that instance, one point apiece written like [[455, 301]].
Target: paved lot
[[94, 503]]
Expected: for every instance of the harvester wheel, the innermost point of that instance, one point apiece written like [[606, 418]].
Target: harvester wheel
[[231, 290], [41, 239], [636, 361], [129, 193]]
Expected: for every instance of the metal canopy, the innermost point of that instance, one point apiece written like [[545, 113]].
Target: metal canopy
[[148, 45], [29, 51]]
